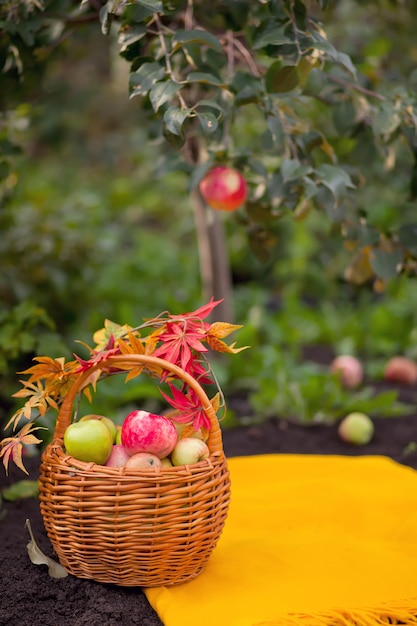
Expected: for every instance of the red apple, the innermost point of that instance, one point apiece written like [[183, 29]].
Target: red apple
[[349, 369], [356, 428], [106, 420], [224, 188], [143, 460], [399, 369], [189, 451], [118, 456], [147, 432], [88, 441]]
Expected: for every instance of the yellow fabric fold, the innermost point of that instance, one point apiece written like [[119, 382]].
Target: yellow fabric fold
[[309, 540]]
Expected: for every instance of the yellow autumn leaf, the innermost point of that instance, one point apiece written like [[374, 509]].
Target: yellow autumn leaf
[[222, 329], [221, 346], [101, 337], [360, 269]]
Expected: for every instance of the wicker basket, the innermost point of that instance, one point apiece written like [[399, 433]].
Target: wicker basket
[[133, 527]]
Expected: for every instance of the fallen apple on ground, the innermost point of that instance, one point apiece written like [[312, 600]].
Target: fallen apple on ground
[[224, 188], [148, 432], [143, 460], [349, 369], [189, 451], [356, 428], [89, 441], [400, 369]]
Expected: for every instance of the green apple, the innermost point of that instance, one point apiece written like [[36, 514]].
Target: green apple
[[106, 420], [166, 462], [356, 428], [89, 441], [188, 451]]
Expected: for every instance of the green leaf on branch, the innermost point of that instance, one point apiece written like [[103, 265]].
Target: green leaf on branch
[[174, 118], [162, 92], [407, 236], [281, 79], [342, 59], [199, 36], [272, 35], [334, 178], [205, 78], [155, 6], [291, 169], [386, 120], [211, 104], [130, 35], [208, 122], [386, 264], [141, 81]]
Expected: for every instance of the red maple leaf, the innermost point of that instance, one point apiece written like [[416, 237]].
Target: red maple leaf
[[189, 406], [98, 356], [178, 341]]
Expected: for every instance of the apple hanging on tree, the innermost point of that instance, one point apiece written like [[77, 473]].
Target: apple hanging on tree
[[224, 188]]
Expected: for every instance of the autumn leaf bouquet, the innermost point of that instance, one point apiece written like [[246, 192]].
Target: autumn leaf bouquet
[[183, 340]]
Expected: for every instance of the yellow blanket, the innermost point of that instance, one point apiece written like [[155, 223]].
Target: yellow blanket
[[309, 540]]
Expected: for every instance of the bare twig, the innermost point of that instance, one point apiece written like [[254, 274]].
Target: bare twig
[[355, 87], [247, 57], [295, 29], [167, 58], [188, 16]]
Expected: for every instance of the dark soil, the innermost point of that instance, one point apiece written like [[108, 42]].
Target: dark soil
[[29, 596]]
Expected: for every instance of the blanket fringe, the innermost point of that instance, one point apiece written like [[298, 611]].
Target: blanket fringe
[[401, 614]]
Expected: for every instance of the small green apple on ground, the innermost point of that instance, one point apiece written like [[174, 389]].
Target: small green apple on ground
[[356, 428], [89, 441], [224, 188]]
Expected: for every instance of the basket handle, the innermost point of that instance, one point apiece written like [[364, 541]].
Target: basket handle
[[130, 361]]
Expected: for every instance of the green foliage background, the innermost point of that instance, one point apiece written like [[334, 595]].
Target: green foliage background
[[96, 219]]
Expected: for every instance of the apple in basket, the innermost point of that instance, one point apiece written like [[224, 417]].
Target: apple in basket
[[106, 420], [143, 460], [89, 441], [118, 456], [147, 432], [189, 450]]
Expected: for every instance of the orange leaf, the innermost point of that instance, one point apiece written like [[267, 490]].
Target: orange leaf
[[13, 446], [220, 346], [222, 329], [215, 402], [51, 369]]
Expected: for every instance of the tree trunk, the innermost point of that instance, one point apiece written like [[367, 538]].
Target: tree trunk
[[214, 260]]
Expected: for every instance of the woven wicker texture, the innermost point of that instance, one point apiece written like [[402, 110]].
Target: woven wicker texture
[[133, 527]]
